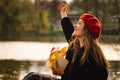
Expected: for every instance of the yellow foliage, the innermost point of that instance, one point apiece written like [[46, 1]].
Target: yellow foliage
[[1, 1], [54, 55]]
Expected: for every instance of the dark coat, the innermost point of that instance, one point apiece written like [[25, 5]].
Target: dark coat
[[74, 71]]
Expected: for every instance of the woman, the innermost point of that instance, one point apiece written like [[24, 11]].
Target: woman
[[86, 59]]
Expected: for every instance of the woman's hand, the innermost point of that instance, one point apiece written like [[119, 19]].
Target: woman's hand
[[63, 10], [57, 70]]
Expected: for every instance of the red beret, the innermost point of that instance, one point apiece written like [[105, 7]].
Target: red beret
[[93, 24]]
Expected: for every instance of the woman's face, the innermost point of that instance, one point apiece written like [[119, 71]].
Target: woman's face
[[78, 28]]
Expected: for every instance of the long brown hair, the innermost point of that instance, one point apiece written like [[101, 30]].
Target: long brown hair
[[89, 44]]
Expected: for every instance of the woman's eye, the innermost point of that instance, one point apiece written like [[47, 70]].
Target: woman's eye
[[79, 23]]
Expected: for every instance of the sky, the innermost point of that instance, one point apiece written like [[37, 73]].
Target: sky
[[68, 1]]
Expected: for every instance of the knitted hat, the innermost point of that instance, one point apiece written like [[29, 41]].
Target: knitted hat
[[93, 24]]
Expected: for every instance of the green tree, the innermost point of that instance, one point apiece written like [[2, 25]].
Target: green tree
[[42, 17], [117, 11], [9, 12]]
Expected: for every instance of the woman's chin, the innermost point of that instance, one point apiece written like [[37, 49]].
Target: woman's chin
[[74, 35]]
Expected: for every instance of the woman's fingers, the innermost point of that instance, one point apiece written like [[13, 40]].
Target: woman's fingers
[[62, 7], [59, 7], [58, 65], [56, 69]]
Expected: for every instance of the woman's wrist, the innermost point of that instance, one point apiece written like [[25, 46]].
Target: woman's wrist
[[61, 73], [63, 14]]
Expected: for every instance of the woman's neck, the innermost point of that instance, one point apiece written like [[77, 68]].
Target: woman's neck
[[81, 40]]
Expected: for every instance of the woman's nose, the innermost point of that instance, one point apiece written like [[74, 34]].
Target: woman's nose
[[75, 25]]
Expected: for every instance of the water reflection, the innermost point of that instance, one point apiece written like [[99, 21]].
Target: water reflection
[[9, 70], [41, 51], [16, 70], [114, 70]]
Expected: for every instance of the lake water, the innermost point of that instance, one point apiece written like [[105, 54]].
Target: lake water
[[19, 58]]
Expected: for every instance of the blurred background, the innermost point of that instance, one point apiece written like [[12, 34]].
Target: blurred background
[[30, 28]]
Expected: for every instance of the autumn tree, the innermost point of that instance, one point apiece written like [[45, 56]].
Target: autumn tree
[[9, 12]]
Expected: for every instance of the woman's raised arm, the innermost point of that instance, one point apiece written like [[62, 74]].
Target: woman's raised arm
[[67, 25]]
